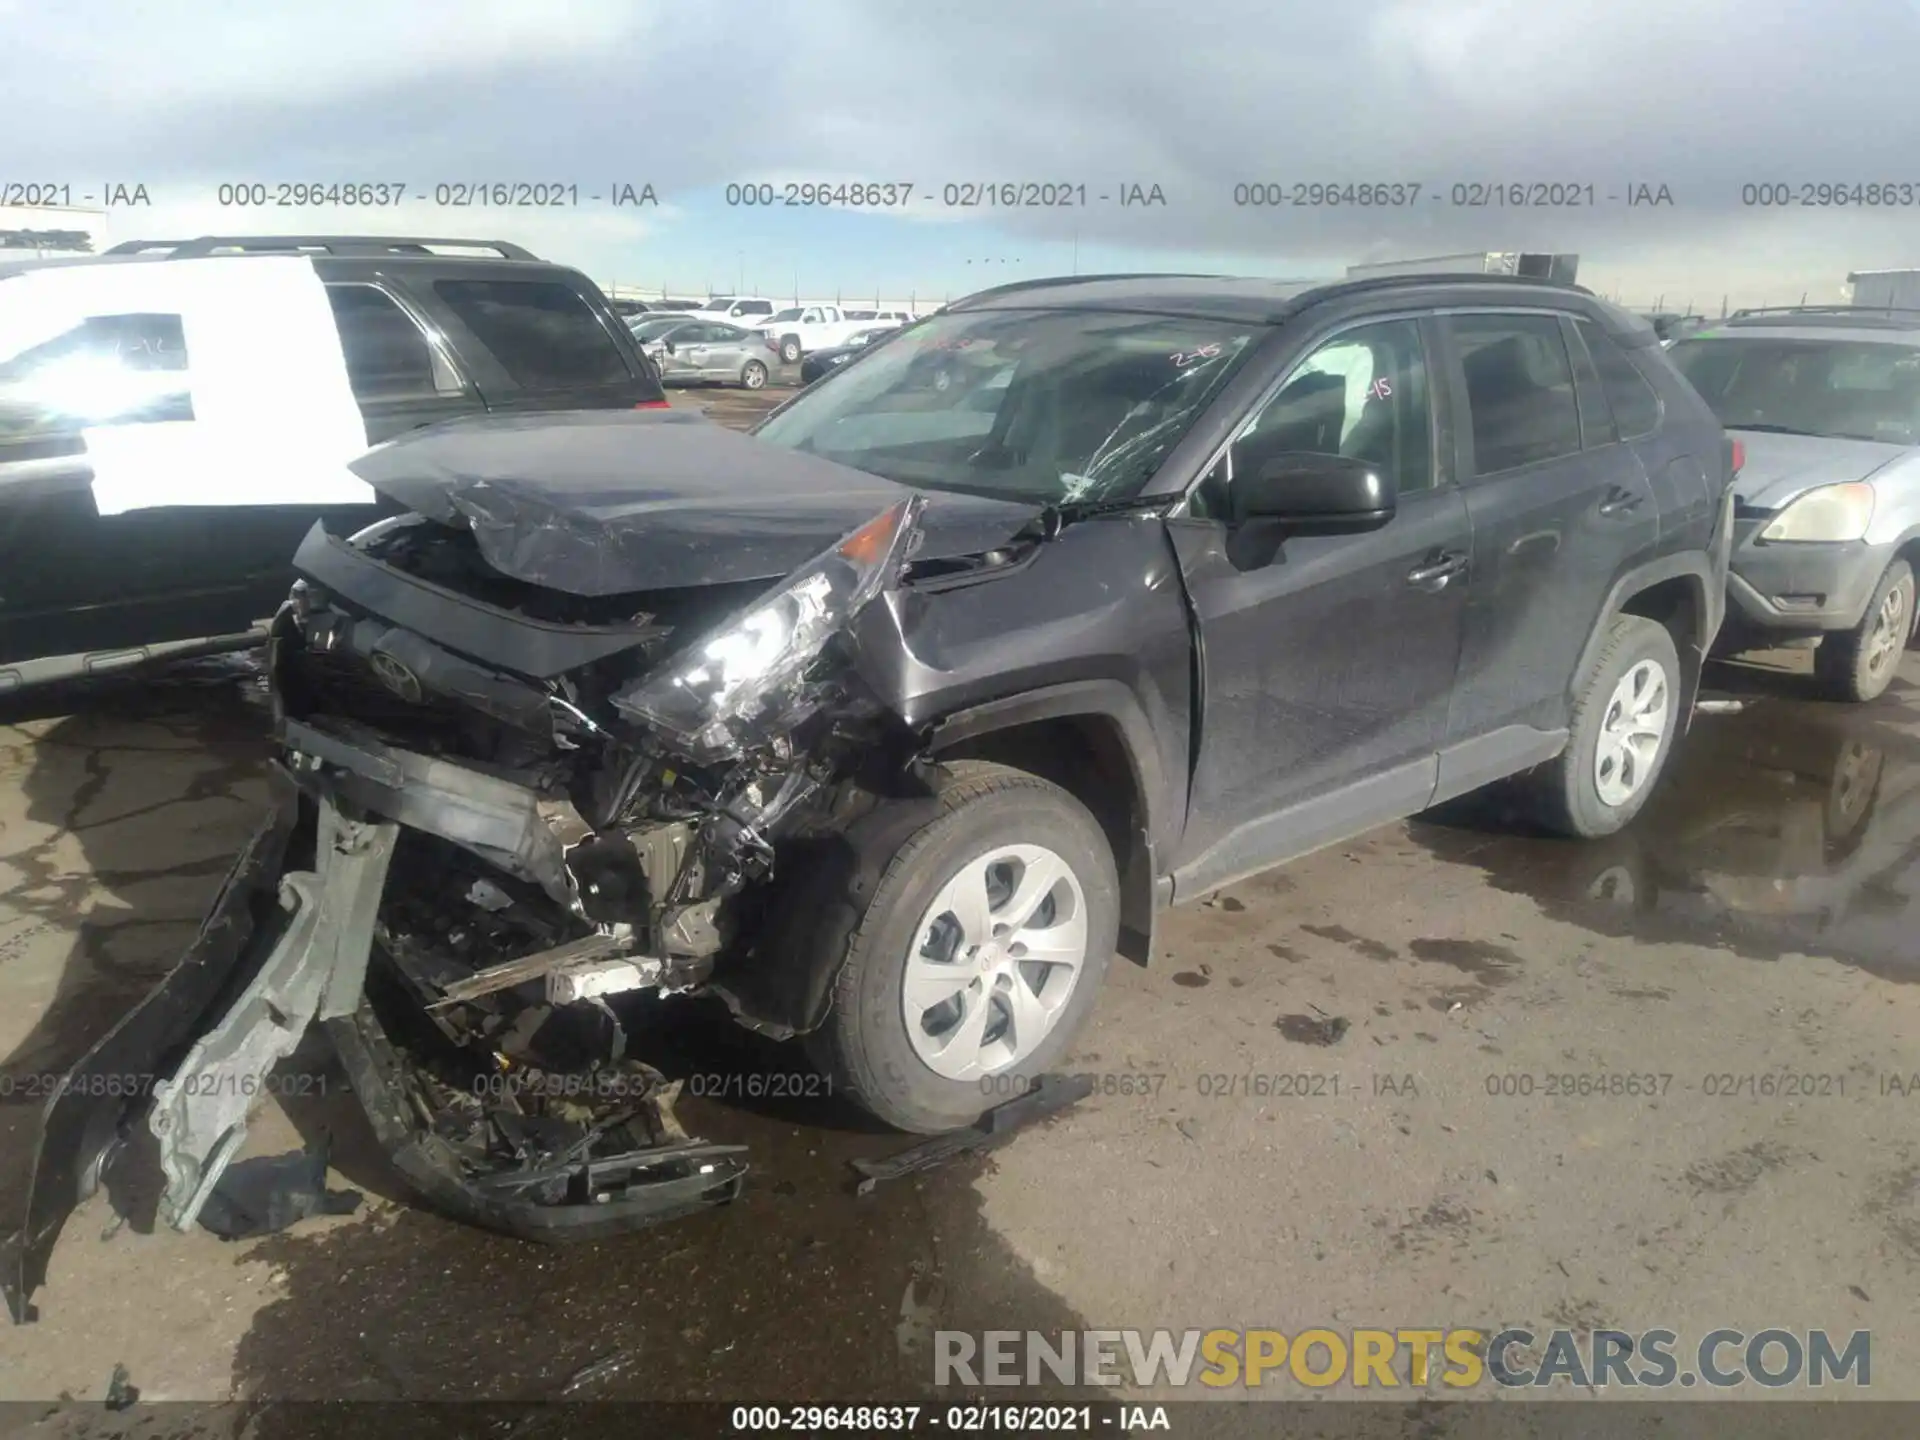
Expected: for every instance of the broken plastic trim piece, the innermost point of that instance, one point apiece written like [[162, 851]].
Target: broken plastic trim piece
[[699, 700], [317, 967], [1049, 1095]]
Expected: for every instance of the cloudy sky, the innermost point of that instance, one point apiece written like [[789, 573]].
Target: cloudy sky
[[1706, 98]]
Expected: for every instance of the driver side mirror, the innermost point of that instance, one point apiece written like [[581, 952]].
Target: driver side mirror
[[1313, 494]]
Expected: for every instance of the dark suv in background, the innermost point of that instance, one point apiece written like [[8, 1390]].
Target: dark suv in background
[[891, 723], [429, 330]]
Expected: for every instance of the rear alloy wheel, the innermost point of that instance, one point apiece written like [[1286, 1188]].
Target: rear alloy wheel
[[1625, 717], [979, 954], [790, 350], [753, 375], [1857, 665]]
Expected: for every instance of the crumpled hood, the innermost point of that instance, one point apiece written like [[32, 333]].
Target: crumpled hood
[[1779, 467], [610, 502]]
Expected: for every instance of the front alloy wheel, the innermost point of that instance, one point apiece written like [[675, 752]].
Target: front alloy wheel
[[999, 952]]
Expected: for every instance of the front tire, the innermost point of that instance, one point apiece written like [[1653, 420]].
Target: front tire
[[1626, 715], [979, 955], [753, 375], [1857, 665], [790, 350]]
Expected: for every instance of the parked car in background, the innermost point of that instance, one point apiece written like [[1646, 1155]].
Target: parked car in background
[[690, 350], [743, 310], [802, 329], [627, 309], [139, 515], [882, 317], [1825, 401], [820, 362]]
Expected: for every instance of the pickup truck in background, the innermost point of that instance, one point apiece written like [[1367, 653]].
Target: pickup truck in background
[[805, 328]]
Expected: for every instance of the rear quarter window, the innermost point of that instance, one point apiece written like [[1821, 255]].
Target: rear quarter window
[[542, 333], [1634, 402]]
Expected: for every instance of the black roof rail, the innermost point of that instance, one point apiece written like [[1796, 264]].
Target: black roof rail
[[1312, 291], [204, 245], [1883, 317], [1448, 277], [1014, 287], [1824, 310]]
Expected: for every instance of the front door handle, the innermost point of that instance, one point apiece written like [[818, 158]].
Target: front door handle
[[1620, 502], [1437, 571]]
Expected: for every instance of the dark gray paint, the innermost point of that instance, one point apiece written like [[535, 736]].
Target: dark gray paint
[[598, 503]]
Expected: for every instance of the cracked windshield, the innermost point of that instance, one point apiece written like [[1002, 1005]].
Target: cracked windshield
[[1026, 405]]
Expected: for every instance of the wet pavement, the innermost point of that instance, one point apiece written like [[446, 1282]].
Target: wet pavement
[[1791, 826], [1428, 980]]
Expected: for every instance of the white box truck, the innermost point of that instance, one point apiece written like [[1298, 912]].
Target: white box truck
[[1561, 268], [1886, 289]]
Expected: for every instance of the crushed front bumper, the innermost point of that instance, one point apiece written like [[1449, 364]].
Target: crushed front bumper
[[287, 942], [1800, 588]]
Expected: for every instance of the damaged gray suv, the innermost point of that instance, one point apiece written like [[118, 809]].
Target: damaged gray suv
[[892, 722]]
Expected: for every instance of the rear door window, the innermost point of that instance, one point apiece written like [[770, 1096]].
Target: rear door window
[[388, 356], [544, 334], [1520, 396]]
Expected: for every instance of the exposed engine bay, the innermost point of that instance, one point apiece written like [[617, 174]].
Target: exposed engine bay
[[494, 861]]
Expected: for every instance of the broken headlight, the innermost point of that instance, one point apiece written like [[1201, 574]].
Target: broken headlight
[[699, 700]]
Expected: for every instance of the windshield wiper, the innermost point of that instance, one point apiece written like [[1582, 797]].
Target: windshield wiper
[[1772, 429], [1055, 517]]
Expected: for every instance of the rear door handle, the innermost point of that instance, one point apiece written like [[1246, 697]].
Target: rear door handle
[[1620, 502], [1438, 571]]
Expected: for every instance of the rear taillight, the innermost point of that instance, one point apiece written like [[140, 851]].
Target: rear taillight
[[773, 345], [654, 405], [1739, 452]]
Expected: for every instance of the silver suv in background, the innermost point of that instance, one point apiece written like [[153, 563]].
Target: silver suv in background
[[1825, 401]]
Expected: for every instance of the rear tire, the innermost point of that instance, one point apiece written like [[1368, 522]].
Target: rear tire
[[753, 375], [1625, 719], [883, 1052], [1857, 665], [790, 350]]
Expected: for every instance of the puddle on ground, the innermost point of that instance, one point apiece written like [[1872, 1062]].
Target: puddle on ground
[[1789, 827]]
